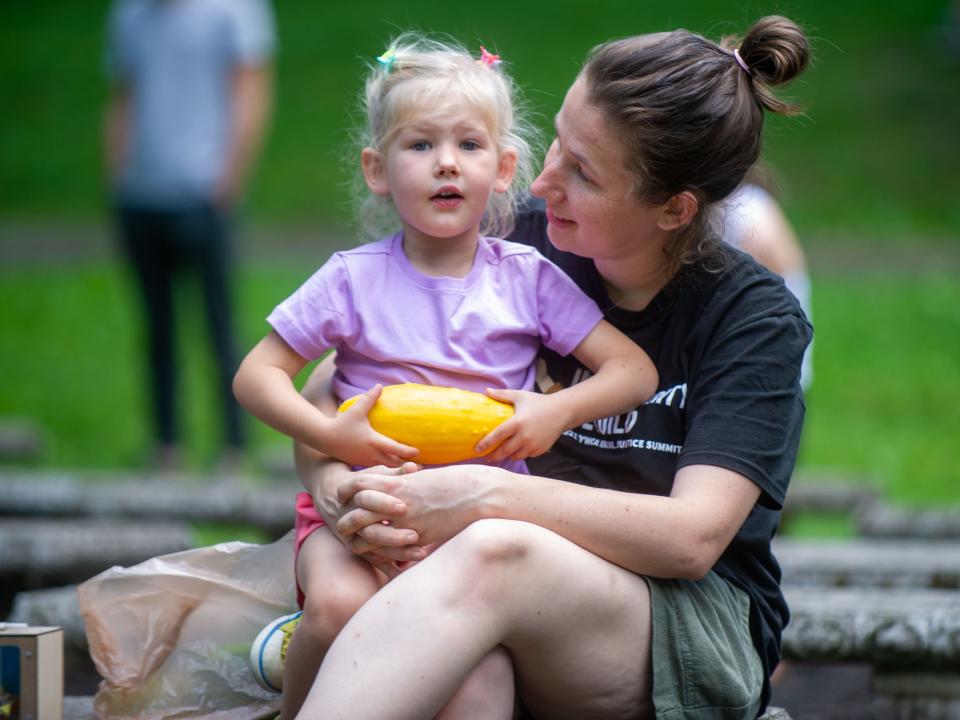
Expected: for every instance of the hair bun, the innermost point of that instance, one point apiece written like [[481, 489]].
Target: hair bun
[[776, 50]]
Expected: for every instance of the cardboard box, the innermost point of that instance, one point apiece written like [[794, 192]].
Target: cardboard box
[[32, 660]]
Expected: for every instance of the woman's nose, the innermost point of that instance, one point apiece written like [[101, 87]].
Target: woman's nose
[[544, 185]]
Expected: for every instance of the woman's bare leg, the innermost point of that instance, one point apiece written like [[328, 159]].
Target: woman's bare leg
[[577, 628], [488, 693]]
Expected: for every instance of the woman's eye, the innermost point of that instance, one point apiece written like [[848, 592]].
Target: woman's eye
[[582, 174]]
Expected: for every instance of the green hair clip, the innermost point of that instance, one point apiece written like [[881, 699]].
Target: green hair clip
[[387, 59]]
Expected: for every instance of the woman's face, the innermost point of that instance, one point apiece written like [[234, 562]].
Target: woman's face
[[592, 210]]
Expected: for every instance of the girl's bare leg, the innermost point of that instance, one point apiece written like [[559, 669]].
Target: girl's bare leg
[[335, 583], [576, 626]]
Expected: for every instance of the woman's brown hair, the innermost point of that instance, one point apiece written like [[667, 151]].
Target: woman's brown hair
[[690, 111]]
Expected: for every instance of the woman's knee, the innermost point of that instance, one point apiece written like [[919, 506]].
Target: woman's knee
[[490, 558], [497, 543]]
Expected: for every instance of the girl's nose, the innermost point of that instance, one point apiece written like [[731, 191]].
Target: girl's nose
[[447, 162]]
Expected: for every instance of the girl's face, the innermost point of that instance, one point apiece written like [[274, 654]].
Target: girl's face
[[440, 170], [592, 209]]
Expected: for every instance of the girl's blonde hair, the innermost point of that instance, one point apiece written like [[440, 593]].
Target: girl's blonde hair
[[418, 75]]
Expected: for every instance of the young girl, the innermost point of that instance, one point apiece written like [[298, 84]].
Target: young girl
[[438, 302]]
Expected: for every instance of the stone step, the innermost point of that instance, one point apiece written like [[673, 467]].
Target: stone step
[[40, 549], [182, 497], [885, 627], [879, 626], [53, 606], [78, 707], [870, 562], [817, 493], [888, 521]]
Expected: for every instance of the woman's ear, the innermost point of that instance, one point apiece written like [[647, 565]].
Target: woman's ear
[[375, 171], [506, 167], [678, 211]]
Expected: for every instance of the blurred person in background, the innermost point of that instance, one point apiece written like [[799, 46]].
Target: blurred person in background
[[755, 223], [190, 100]]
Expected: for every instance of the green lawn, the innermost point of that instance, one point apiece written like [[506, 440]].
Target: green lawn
[[875, 156], [885, 402], [871, 166]]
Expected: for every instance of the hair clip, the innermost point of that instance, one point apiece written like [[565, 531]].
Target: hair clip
[[488, 58], [740, 61], [387, 59]]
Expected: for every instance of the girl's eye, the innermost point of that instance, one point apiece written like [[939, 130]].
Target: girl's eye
[[420, 145], [470, 145]]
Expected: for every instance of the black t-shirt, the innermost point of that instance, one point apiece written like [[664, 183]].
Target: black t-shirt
[[727, 345]]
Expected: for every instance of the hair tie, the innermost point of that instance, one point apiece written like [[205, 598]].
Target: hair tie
[[488, 58], [740, 62], [387, 59]]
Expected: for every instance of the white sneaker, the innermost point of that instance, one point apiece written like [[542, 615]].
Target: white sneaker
[[269, 651]]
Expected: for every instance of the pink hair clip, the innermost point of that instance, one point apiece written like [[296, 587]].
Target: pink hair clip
[[488, 58]]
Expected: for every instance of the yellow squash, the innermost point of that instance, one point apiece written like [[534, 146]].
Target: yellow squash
[[444, 424]]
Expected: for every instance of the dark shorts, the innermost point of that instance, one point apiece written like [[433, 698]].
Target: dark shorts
[[704, 661]]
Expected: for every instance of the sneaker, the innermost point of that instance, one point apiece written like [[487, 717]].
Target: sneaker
[[270, 649]]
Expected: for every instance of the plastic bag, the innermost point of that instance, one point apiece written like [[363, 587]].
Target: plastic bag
[[171, 636]]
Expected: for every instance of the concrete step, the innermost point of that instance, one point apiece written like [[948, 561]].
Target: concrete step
[[36, 551], [870, 563], [885, 627], [190, 498], [888, 521]]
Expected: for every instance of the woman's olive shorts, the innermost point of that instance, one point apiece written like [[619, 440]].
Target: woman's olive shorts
[[704, 661]]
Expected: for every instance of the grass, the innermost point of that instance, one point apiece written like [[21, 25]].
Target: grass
[[871, 164], [885, 402], [875, 154], [886, 394]]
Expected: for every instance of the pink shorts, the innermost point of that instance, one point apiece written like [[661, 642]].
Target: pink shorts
[[306, 521]]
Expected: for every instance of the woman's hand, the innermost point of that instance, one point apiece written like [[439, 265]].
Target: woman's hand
[[535, 426], [374, 535], [438, 504]]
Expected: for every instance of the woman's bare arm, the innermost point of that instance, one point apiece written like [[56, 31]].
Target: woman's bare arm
[[682, 535]]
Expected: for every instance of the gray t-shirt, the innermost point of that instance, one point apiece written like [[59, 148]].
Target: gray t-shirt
[[177, 58]]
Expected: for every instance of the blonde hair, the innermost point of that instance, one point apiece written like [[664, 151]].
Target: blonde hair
[[427, 75]]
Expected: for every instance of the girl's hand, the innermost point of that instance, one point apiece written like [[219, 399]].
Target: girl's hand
[[352, 440], [535, 426]]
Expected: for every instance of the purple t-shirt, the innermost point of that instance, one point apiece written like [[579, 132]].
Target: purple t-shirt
[[390, 324]]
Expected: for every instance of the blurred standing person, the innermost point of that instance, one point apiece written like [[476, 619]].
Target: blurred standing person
[[190, 100]]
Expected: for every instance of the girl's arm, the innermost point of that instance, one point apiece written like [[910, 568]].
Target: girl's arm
[[623, 377], [264, 386], [322, 475]]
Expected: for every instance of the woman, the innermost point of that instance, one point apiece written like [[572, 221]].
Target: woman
[[631, 573]]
